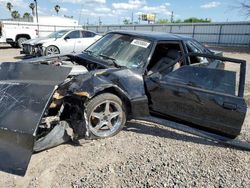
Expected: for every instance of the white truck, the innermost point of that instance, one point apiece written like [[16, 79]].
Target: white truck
[[16, 31]]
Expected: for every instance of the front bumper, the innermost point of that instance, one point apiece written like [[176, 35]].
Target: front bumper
[[33, 50], [27, 49]]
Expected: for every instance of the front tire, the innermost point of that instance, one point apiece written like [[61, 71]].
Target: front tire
[[52, 50], [106, 115]]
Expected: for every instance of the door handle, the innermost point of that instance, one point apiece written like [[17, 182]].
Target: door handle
[[229, 106]]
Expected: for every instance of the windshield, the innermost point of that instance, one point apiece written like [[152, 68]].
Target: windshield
[[58, 34], [122, 50]]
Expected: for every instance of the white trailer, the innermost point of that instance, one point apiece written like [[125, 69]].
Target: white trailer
[[15, 32]]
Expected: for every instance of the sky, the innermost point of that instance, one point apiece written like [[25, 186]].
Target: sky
[[115, 11]]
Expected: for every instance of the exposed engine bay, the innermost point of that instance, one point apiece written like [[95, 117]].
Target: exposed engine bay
[[78, 65]]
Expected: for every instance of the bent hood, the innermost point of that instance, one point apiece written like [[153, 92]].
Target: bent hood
[[39, 40], [25, 92]]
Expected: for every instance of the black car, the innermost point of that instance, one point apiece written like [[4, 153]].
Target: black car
[[124, 75]]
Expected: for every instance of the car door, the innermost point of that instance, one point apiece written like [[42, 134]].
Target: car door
[[87, 39], [208, 98], [71, 42]]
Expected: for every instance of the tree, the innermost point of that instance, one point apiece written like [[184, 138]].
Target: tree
[[196, 20], [178, 21], [126, 22], [15, 14], [32, 7], [162, 21], [66, 16], [57, 8], [9, 6], [26, 15], [245, 7]]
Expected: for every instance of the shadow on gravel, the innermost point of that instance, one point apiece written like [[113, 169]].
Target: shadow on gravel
[[152, 130], [22, 57], [5, 47]]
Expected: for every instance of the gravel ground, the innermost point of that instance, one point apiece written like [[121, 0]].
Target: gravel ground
[[142, 155]]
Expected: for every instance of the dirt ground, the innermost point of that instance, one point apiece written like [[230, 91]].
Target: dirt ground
[[142, 155]]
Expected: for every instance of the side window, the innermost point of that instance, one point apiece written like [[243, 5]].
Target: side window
[[164, 56], [87, 34], [74, 35]]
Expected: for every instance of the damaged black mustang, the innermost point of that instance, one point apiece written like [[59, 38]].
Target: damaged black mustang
[[125, 75]]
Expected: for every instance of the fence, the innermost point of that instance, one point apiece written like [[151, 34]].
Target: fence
[[223, 34]]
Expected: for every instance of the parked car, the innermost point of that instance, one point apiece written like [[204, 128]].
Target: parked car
[[125, 75], [60, 42], [17, 31]]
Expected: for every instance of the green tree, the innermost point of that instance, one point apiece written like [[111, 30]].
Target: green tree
[[9, 6], [15, 14], [26, 15], [57, 8], [196, 20], [162, 21], [126, 22], [32, 6], [66, 16], [178, 21]]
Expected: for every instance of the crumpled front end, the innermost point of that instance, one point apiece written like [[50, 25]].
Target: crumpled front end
[[25, 93]]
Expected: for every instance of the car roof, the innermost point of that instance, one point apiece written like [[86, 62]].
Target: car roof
[[156, 36]]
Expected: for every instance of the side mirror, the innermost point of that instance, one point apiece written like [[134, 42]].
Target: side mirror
[[66, 38]]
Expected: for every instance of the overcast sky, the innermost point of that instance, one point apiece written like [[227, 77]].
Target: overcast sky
[[115, 11]]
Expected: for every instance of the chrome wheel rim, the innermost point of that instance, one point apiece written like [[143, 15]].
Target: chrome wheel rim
[[106, 118], [52, 51]]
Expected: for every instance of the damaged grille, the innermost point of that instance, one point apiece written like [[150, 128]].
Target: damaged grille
[[27, 49]]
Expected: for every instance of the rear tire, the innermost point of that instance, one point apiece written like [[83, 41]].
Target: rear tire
[[20, 41], [106, 115]]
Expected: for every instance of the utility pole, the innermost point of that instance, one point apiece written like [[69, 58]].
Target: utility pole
[[37, 18], [80, 15], [132, 17], [139, 18], [99, 21], [36, 11], [172, 17]]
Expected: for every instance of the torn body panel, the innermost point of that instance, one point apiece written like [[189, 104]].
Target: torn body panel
[[25, 92], [125, 82]]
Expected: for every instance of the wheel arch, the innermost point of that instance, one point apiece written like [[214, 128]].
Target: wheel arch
[[119, 93], [22, 35]]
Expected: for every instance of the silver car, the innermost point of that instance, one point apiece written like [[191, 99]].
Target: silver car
[[60, 42]]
